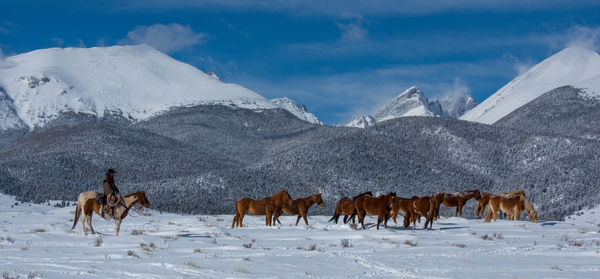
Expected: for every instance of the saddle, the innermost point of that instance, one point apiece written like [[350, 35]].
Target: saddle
[[108, 204]]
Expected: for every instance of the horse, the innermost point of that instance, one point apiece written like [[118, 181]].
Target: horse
[[424, 206], [512, 203], [86, 204], [266, 206], [485, 198], [380, 206], [346, 205], [482, 202], [404, 205], [300, 207], [458, 199]]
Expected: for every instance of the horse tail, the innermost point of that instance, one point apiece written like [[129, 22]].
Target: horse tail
[[338, 211], [236, 217], [433, 206], [77, 214]]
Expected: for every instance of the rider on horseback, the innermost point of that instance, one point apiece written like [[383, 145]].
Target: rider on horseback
[[111, 192]]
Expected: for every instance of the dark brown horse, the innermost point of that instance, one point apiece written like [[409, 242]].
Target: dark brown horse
[[86, 204], [300, 207], [404, 205], [346, 205], [424, 206], [267, 206], [380, 206], [458, 199]]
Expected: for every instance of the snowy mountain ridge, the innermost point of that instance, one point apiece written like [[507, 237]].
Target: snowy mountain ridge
[[135, 81], [413, 102], [297, 110], [574, 66]]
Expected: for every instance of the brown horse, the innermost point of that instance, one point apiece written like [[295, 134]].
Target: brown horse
[[267, 206], [300, 207], [512, 203], [380, 206], [346, 205], [424, 206], [87, 204], [404, 205], [458, 199]]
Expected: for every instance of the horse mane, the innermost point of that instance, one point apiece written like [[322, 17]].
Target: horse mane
[[369, 193], [132, 194], [528, 206]]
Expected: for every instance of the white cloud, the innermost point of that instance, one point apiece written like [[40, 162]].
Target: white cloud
[[57, 41], [353, 31], [583, 36], [166, 38], [520, 66]]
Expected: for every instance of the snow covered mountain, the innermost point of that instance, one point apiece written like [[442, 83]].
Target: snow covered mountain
[[412, 102], [574, 66], [362, 122], [134, 81], [297, 110]]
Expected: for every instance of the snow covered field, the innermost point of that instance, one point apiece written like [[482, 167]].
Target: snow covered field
[[36, 242]]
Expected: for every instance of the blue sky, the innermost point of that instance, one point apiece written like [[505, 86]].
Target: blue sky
[[341, 58]]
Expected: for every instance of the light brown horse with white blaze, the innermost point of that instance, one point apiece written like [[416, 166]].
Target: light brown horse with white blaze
[[86, 204]]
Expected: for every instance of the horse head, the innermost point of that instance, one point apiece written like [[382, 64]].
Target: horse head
[[318, 200], [143, 199], [477, 195], [285, 196]]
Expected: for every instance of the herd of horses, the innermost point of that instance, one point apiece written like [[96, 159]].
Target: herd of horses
[[384, 207], [387, 206]]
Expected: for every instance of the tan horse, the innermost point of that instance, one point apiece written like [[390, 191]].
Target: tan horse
[[300, 207], [406, 206], [424, 206], [380, 206], [86, 204], [485, 198], [512, 203], [267, 206], [346, 205], [458, 199]]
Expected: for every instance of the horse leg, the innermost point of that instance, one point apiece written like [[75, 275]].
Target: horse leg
[[89, 221], [235, 218], [345, 219], [361, 218], [298, 219], [459, 207], [83, 217], [241, 219], [304, 217], [117, 226]]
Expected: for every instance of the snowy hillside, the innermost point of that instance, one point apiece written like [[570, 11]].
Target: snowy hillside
[[36, 242], [412, 102], [297, 110], [574, 66], [135, 81]]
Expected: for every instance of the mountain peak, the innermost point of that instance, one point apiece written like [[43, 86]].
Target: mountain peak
[[570, 66], [137, 81], [413, 102], [297, 110]]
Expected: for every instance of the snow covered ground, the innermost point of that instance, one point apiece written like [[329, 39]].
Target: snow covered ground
[[36, 242]]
